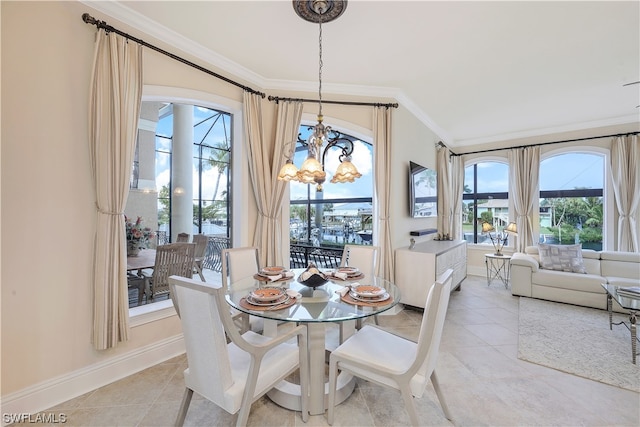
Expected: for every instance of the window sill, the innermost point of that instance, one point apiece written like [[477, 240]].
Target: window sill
[[150, 313]]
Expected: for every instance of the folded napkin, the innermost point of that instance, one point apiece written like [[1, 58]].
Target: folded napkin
[[293, 293], [286, 274], [339, 275], [343, 291]]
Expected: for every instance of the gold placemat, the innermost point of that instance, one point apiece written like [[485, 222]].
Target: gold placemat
[[347, 279], [266, 279], [246, 304], [348, 299]]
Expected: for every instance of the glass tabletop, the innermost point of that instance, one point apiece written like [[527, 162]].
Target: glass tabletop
[[320, 304], [626, 301]]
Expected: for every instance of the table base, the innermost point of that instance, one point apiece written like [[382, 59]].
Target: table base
[[631, 326], [287, 394]]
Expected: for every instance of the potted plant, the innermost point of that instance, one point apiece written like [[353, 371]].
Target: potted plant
[[138, 236]]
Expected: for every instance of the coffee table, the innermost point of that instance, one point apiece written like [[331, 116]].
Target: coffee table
[[631, 303]]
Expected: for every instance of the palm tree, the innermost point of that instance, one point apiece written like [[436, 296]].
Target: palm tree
[[220, 161]]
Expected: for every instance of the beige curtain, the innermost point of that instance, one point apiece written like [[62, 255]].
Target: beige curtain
[[445, 208], [524, 169], [625, 161], [457, 188], [265, 159], [382, 164], [116, 93]]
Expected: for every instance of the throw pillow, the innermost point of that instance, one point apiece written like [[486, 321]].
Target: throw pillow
[[561, 258]]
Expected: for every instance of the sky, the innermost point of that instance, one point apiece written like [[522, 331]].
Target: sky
[[562, 172]]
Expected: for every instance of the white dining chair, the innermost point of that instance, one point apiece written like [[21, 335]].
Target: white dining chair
[[237, 264], [392, 361], [365, 259], [232, 374]]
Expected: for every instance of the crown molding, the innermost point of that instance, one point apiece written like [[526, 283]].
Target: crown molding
[[615, 121], [147, 26]]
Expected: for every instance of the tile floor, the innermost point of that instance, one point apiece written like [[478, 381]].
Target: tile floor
[[483, 381]]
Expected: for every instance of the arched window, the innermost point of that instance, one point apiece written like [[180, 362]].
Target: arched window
[[571, 199], [322, 222], [485, 199]]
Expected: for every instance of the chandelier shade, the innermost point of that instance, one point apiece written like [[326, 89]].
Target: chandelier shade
[[323, 137], [346, 172]]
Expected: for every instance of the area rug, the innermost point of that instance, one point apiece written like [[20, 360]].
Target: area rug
[[577, 340]]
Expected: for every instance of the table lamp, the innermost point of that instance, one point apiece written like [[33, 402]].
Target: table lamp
[[499, 239]]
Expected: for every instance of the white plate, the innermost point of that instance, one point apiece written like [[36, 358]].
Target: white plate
[[267, 294], [280, 300], [349, 271], [382, 297], [272, 271], [372, 291]]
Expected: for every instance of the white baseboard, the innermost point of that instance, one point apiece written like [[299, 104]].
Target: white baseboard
[[476, 271], [55, 391]]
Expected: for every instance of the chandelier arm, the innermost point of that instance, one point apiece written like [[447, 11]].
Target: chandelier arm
[[347, 149]]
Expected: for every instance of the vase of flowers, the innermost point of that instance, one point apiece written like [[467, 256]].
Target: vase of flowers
[[138, 236]]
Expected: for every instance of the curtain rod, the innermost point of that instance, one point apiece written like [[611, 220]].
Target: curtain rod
[[277, 99], [88, 19], [102, 24], [545, 143]]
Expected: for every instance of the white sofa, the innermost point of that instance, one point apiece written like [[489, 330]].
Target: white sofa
[[617, 268]]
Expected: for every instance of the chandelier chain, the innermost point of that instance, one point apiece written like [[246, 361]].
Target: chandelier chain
[[320, 65]]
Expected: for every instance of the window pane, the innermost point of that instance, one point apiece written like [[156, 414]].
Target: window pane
[[571, 171], [571, 200], [493, 177], [490, 203]]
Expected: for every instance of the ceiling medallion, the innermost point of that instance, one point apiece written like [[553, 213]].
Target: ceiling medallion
[[311, 10]]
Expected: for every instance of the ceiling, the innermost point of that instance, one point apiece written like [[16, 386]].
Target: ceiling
[[474, 72]]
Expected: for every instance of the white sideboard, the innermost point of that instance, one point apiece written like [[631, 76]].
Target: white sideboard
[[417, 268]]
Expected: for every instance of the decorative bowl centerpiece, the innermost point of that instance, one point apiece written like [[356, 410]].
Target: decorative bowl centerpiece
[[312, 277]]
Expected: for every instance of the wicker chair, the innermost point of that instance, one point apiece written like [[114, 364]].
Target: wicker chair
[[183, 238], [201, 242], [174, 259]]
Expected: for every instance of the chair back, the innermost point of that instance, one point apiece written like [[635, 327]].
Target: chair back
[[238, 263], [431, 332], [201, 242], [203, 317], [365, 258], [174, 259], [183, 238]]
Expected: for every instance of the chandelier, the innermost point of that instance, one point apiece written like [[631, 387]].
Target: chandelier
[[499, 239], [323, 137]]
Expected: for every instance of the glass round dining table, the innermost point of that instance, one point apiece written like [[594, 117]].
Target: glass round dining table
[[316, 308]]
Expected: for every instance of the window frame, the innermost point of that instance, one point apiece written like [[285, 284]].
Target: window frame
[[164, 309], [608, 198], [475, 196]]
